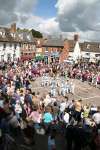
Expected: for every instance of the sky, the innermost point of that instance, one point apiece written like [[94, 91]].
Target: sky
[[54, 17]]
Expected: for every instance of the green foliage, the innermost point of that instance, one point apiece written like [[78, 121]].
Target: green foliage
[[36, 34]]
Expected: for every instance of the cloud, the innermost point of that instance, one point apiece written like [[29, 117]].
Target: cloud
[[49, 26], [31, 21], [7, 11], [78, 15], [16, 10], [26, 6], [21, 12]]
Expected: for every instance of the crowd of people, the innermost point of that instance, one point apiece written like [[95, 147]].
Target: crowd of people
[[24, 113], [89, 72]]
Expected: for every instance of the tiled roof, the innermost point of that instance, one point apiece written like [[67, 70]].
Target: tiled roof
[[8, 36], [53, 42], [85, 46], [90, 47], [26, 36]]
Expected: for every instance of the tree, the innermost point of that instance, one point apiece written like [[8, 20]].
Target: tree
[[36, 34]]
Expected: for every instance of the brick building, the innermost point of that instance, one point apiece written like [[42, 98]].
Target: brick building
[[54, 49]]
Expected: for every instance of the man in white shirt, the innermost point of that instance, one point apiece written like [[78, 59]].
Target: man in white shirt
[[47, 100], [66, 117], [62, 106]]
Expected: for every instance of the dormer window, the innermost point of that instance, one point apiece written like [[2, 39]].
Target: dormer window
[[38, 42], [0, 33], [21, 36], [13, 35], [15, 46], [88, 46], [28, 37], [3, 34], [88, 54]]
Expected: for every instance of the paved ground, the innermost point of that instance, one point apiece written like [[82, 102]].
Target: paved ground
[[41, 143], [83, 90]]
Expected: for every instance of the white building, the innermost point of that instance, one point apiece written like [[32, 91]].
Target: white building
[[9, 51], [9, 45], [16, 45], [90, 50], [86, 50]]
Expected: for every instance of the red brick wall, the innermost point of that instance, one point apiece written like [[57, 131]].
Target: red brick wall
[[65, 51]]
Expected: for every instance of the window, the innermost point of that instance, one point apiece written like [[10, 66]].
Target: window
[[10, 45], [15, 46], [97, 55], [3, 34], [28, 37], [0, 33], [2, 57], [20, 45], [88, 54], [88, 46], [4, 45], [9, 57], [14, 56], [46, 49], [21, 36], [38, 42]]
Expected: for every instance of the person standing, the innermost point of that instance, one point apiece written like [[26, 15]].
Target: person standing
[[51, 141]]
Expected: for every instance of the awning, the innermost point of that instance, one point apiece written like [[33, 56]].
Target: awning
[[39, 57]]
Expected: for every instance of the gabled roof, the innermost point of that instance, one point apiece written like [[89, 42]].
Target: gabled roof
[[15, 37], [8, 36], [53, 42], [26, 36], [90, 47]]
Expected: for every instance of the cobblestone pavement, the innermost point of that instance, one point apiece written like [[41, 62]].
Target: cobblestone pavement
[[83, 90]]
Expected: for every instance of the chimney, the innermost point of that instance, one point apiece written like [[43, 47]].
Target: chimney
[[76, 37], [13, 27]]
